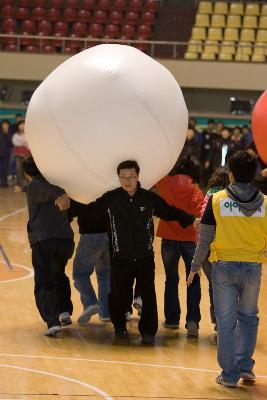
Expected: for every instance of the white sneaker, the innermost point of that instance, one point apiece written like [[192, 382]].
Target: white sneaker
[[87, 313], [104, 319], [248, 376], [137, 304], [53, 331], [128, 316], [65, 319]]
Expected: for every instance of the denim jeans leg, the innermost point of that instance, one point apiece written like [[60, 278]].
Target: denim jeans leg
[[170, 252], [193, 291], [103, 278], [248, 321], [87, 255], [207, 266], [225, 296]]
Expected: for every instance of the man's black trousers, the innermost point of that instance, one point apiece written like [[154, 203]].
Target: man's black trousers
[[52, 286], [123, 273]]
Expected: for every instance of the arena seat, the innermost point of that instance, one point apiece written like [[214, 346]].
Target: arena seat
[[100, 16], [236, 8], [72, 4], [9, 25], [252, 9], [104, 5], [70, 14], [8, 11], [28, 26], [54, 14], [38, 13], [132, 18], [22, 13], [135, 5], [120, 5], [40, 3], [220, 8], [24, 3], [79, 29], [88, 4], [44, 28], [205, 7], [56, 3], [202, 20], [116, 17], [218, 21], [84, 15]]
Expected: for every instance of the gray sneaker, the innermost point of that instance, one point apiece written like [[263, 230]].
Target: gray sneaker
[[65, 319], [248, 376], [137, 304], [192, 329], [223, 382], [53, 331], [87, 313]]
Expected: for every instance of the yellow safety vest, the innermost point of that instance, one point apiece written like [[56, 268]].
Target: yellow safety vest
[[237, 237]]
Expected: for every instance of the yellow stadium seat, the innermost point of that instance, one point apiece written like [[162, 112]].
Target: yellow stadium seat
[[208, 56], [218, 21], [263, 22], [262, 36], [258, 58], [220, 7], [252, 9], [191, 56], [225, 56], [260, 48], [242, 57], [205, 7], [202, 20], [211, 46], [231, 34], [228, 47], [264, 9], [236, 8], [198, 33], [244, 48], [215, 34], [234, 21], [194, 46], [250, 21], [247, 35]]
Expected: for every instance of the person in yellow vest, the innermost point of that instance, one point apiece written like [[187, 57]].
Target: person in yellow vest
[[234, 228]]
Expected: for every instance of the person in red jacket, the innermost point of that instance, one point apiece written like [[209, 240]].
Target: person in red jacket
[[180, 190]]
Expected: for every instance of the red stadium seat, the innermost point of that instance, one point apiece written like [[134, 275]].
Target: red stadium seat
[[95, 30], [128, 31], [38, 13], [40, 3], [132, 18], [7, 2], [32, 49], [145, 31], [144, 47], [79, 29], [61, 28], [54, 14], [100, 17], [22, 13], [56, 3], [151, 5], [28, 26], [7, 11], [10, 47], [49, 49], [148, 18], [112, 31], [24, 3], [72, 3], [104, 5], [136, 5], [70, 14], [116, 17], [44, 28], [84, 15], [9, 25], [26, 41], [120, 5], [69, 49], [88, 4], [75, 44], [9, 40]]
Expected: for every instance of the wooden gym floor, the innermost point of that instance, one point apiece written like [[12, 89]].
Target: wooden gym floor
[[84, 362]]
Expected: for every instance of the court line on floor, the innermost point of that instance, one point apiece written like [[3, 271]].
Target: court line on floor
[[18, 211], [118, 363], [65, 378], [30, 270]]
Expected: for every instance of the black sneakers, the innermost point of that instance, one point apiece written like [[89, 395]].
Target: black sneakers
[[148, 339], [121, 333]]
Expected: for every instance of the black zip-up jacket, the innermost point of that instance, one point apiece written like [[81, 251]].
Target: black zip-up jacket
[[88, 221], [46, 221], [130, 220]]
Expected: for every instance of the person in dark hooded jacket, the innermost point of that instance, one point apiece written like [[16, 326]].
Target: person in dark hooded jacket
[[234, 228]]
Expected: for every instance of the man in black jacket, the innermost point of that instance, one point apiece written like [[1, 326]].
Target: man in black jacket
[[130, 211], [51, 241]]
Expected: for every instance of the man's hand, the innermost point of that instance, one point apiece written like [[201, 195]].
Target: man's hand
[[63, 202], [191, 277], [196, 224]]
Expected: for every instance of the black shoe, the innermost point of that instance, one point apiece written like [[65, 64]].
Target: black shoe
[[121, 333], [148, 339]]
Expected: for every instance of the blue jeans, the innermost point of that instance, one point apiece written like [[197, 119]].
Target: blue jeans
[[171, 251], [236, 287], [93, 254]]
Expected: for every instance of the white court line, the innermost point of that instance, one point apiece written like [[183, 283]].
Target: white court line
[[119, 362], [30, 274], [18, 211], [65, 378]]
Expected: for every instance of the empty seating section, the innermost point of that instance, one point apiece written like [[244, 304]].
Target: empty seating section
[[229, 31], [92, 19]]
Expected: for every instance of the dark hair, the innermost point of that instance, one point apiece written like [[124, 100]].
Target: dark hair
[[20, 122], [187, 165], [18, 115], [219, 178], [243, 166], [211, 121], [128, 164], [29, 167]]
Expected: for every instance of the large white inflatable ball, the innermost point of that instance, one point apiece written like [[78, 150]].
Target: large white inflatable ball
[[102, 106]]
